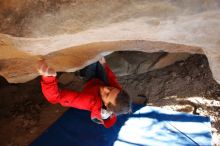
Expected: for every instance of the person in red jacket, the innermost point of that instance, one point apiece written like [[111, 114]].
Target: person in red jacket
[[102, 95]]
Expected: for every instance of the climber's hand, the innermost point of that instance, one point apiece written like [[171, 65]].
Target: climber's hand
[[44, 70], [102, 61]]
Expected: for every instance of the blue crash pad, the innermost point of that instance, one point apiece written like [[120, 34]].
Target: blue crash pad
[[147, 126]]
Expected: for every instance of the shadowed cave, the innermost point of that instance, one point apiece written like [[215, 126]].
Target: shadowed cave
[[176, 81]]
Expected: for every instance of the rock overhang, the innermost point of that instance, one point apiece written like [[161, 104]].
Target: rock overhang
[[73, 34]]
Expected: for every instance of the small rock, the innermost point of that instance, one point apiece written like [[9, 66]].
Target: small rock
[[32, 122], [187, 78], [208, 93], [25, 123], [201, 66], [174, 74], [181, 63], [33, 130]]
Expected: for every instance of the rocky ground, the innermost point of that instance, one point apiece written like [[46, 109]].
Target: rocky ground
[[186, 86]]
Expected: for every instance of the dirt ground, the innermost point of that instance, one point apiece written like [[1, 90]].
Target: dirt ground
[[186, 86]]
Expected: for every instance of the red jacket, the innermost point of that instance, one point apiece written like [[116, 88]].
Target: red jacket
[[89, 99]]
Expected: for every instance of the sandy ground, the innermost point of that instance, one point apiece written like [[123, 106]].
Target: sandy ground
[[186, 86]]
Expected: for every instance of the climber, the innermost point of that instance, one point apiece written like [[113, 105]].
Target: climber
[[102, 95]]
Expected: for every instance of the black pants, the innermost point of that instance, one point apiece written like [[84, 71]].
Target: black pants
[[94, 70]]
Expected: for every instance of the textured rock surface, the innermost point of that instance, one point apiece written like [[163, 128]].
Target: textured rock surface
[[70, 34], [134, 62]]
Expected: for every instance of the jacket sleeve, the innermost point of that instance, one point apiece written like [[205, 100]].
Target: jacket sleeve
[[111, 77], [55, 95], [108, 123]]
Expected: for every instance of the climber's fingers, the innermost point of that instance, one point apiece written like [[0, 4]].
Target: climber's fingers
[[50, 72], [41, 67], [44, 69], [102, 61]]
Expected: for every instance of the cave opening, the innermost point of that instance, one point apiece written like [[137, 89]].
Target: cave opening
[[175, 81]]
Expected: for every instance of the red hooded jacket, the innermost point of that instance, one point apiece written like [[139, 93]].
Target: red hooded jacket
[[89, 99]]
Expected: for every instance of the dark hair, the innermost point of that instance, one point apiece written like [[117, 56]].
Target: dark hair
[[123, 104]]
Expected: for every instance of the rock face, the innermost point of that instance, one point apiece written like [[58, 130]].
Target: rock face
[[133, 62], [70, 34]]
